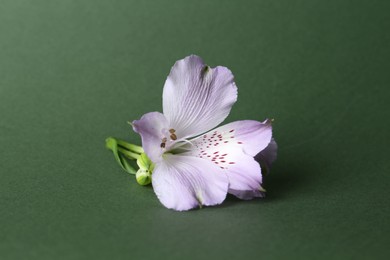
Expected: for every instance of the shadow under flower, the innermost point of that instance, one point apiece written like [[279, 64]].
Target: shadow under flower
[[285, 181]]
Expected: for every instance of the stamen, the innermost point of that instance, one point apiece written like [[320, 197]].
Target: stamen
[[172, 130], [163, 141], [173, 136]]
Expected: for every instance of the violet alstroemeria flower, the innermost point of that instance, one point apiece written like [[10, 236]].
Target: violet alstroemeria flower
[[193, 168]]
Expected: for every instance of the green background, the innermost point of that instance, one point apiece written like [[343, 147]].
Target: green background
[[73, 72]]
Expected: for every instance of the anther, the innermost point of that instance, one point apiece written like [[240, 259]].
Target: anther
[[172, 130], [173, 136], [163, 141]]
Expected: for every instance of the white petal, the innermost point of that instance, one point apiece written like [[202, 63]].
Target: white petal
[[247, 135], [185, 182], [232, 147], [197, 98], [254, 136], [152, 127]]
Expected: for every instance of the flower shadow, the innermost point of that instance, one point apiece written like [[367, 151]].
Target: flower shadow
[[286, 181]]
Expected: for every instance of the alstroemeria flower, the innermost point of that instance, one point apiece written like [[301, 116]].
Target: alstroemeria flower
[[194, 166]]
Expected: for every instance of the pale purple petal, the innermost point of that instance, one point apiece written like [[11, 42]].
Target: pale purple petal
[[197, 98], [185, 182], [152, 127], [232, 147], [243, 171], [245, 178], [254, 136], [247, 194], [267, 156]]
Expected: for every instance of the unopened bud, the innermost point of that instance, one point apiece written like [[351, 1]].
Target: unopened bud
[[144, 177], [146, 166]]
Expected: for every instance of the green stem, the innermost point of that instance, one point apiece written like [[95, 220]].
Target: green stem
[[125, 165], [132, 147], [128, 154], [112, 145]]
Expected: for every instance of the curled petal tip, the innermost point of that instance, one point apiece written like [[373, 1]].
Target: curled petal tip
[[269, 121]]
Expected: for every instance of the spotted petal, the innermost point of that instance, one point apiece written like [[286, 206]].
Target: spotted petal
[[186, 182], [232, 147], [197, 98]]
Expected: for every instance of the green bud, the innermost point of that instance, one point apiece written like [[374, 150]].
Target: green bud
[[146, 166], [144, 177]]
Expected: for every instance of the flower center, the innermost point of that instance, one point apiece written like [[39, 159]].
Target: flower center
[[172, 136]]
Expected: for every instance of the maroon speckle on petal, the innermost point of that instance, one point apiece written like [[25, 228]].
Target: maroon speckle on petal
[[231, 131], [232, 163], [239, 142]]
